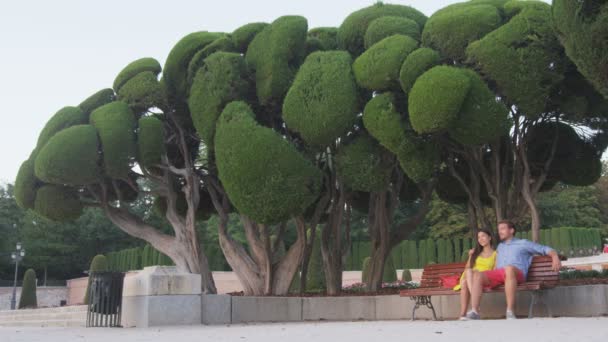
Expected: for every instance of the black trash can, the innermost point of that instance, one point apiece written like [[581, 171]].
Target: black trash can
[[105, 299]]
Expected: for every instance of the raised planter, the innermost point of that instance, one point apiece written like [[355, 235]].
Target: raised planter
[[161, 295], [570, 301]]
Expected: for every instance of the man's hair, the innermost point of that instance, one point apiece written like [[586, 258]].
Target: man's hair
[[509, 224]]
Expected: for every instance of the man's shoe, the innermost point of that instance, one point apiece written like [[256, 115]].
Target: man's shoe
[[510, 315], [472, 315], [463, 318]]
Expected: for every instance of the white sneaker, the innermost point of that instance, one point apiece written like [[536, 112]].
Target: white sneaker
[[463, 318], [472, 315], [510, 315]]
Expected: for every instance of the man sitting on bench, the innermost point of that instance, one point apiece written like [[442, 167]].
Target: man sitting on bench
[[512, 262]]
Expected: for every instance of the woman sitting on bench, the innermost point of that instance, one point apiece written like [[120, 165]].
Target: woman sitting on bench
[[481, 258]]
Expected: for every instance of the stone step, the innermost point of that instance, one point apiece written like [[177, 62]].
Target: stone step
[[74, 308], [43, 316], [46, 323], [67, 316]]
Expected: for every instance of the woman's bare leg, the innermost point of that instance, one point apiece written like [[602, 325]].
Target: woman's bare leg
[[464, 297]]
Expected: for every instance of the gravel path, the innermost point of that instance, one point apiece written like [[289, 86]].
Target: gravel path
[[537, 330]]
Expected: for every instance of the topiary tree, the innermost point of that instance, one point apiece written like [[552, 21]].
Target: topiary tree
[[28, 300], [406, 275], [390, 272], [98, 264], [492, 119], [264, 122], [315, 276]]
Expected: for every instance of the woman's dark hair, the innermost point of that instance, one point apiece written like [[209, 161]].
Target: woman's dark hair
[[478, 247]]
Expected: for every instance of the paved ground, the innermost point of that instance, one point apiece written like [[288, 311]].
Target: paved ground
[[537, 330]]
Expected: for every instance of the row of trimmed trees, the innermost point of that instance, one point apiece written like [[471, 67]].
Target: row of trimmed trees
[[294, 128]]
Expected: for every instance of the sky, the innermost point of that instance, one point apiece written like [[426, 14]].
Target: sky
[[57, 53]]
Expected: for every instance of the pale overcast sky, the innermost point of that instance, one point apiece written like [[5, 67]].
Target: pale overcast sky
[[56, 53]]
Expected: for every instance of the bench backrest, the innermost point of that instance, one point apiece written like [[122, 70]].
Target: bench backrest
[[540, 271]]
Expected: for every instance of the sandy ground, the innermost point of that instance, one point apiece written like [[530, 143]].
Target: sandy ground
[[537, 330]]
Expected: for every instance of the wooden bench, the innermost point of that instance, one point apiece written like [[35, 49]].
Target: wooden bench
[[540, 277]]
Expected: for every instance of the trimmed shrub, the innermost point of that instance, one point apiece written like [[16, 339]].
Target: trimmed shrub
[[222, 44], [584, 168], [418, 157], [431, 251], [175, 72], [378, 67], [565, 241], [323, 102], [242, 36], [416, 64], [383, 121], [406, 275], [135, 68], [457, 249], [222, 78], [518, 64], [70, 157], [388, 276], [466, 247], [352, 31], [441, 248], [28, 291], [409, 254], [150, 142], [387, 26], [581, 27], [422, 254], [390, 272], [363, 165], [365, 270], [482, 118], [64, 118], [326, 36], [275, 54], [143, 91], [449, 251], [98, 264], [452, 28], [115, 124], [26, 185], [97, 100], [436, 98], [265, 177], [58, 203], [315, 278]]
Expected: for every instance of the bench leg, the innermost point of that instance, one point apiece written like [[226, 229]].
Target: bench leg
[[423, 300], [533, 296], [541, 300]]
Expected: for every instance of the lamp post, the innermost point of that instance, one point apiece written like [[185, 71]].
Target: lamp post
[[17, 255]]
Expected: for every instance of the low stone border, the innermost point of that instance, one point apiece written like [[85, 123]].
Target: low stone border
[[571, 301]]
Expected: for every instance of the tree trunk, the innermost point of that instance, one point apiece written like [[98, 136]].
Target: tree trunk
[[332, 246], [184, 253], [310, 240], [256, 271], [379, 227]]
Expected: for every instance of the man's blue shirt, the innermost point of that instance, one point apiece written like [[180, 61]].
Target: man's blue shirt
[[519, 253]]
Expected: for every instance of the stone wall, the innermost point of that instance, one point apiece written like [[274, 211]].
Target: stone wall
[[569, 301], [47, 297]]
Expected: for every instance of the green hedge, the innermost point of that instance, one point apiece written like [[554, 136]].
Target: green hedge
[[136, 259], [410, 254]]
